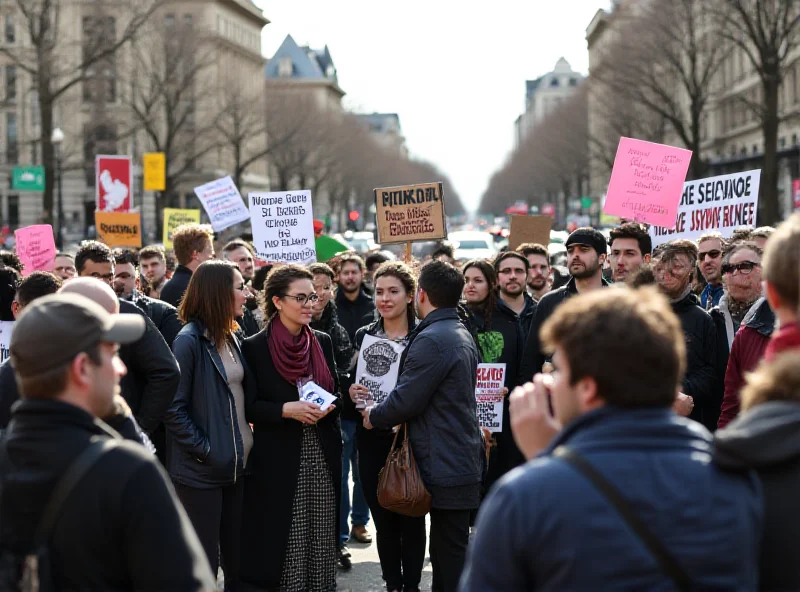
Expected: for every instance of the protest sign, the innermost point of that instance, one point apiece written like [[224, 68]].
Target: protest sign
[[311, 392], [646, 182], [119, 229], [222, 203], [410, 213], [718, 204], [154, 171], [378, 366], [36, 248], [529, 229], [6, 328], [283, 226], [489, 396], [113, 182], [174, 217]]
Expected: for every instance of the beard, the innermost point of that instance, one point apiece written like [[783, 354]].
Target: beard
[[589, 270], [512, 290], [538, 283]]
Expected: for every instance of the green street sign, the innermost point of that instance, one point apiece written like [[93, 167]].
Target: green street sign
[[586, 203], [28, 178]]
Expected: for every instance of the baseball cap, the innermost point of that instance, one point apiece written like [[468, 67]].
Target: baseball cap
[[590, 237], [52, 330]]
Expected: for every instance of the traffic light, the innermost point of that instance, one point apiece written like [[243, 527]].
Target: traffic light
[[354, 215]]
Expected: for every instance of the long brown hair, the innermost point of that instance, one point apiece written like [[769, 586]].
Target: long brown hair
[[209, 299], [487, 306], [405, 275]]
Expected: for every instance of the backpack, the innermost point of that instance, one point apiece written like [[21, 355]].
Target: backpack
[[33, 572]]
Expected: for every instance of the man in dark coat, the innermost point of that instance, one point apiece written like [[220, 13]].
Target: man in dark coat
[[512, 269], [435, 396], [121, 528], [193, 244]]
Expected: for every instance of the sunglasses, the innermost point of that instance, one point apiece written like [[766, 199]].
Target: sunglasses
[[745, 267], [711, 254]]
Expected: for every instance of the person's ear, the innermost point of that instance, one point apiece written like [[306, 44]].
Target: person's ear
[[275, 302], [16, 309], [80, 371], [588, 396], [647, 258]]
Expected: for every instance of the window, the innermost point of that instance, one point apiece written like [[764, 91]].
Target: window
[[12, 144], [285, 67], [794, 139], [755, 148], [573, 82], [554, 82], [97, 139], [11, 83], [782, 142], [169, 20], [11, 35], [100, 80], [13, 210], [188, 20]]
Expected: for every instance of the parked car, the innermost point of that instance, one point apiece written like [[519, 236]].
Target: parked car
[[472, 245]]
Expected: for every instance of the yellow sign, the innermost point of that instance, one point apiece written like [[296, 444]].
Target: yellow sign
[[173, 218], [155, 171], [119, 229]]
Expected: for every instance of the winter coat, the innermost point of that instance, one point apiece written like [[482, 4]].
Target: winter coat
[[275, 462], [435, 394], [526, 316], [767, 438], [206, 448], [354, 315], [701, 381], [546, 527], [173, 290], [746, 352], [163, 315]]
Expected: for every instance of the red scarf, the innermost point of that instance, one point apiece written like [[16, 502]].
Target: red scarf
[[298, 357], [787, 338]]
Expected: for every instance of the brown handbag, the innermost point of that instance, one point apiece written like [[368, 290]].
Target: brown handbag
[[400, 487]]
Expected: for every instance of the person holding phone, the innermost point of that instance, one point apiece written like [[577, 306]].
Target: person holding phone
[[289, 533], [401, 539]]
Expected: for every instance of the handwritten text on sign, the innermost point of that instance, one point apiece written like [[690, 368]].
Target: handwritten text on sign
[[489, 396], [6, 328], [378, 366], [283, 226], [410, 213], [36, 248], [222, 203], [119, 229], [646, 182], [716, 204]]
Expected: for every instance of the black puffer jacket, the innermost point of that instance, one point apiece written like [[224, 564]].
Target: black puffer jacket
[[206, 445], [702, 379]]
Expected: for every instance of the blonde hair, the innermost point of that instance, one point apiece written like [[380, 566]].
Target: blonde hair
[[777, 380], [780, 264]]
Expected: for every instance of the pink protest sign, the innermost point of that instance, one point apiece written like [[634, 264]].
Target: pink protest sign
[[36, 248], [647, 182]]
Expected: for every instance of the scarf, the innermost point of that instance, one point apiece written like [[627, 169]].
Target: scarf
[[298, 357], [787, 337]]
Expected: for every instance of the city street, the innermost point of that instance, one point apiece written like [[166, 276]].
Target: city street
[[366, 573]]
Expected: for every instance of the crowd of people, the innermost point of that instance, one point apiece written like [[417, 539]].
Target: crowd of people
[[154, 435]]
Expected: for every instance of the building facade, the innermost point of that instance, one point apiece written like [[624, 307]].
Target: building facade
[[386, 129]]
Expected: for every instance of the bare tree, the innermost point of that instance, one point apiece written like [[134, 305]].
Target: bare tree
[[47, 59], [767, 32]]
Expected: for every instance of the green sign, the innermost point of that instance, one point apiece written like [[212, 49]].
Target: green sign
[[586, 203], [28, 178]]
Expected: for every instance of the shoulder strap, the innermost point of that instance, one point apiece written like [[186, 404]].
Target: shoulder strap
[[657, 549], [72, 476]]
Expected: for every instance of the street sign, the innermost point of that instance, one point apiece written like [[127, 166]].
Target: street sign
[[113, 183], [586, 203], [28, 178], [155, 171]]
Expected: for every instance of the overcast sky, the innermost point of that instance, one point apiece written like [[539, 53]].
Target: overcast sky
[[453, 71]]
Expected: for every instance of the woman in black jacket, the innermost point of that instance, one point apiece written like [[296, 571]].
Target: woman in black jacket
[[500, 341], [401, 539], [289, 533], [210, 438]]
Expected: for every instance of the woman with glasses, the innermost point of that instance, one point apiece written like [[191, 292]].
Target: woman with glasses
[[209, 439], [289, 534]]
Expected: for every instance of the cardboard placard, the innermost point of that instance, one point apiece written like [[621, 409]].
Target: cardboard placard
[[718, 204], [119, 229], [223, 203], [529, 229], [283, 226], [410, 213], [378, 366], [174, 217], [113, 183], [489, 396], [646, 182], [6, 329], [36, 248]]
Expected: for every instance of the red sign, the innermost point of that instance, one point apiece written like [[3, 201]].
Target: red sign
[[113, 183], [796, 193]]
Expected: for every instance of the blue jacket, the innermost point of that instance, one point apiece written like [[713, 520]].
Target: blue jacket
[[435, 394], [546, 527]]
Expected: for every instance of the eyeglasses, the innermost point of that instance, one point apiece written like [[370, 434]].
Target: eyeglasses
[[745, 267], [302, 299], [711, 254]]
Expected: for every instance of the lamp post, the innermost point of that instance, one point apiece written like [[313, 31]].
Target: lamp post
[[57, 138]]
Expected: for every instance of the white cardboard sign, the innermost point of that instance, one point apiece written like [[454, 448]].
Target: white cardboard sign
[[283, 226], [378, 367], [6, 328], [489, 396], [223, 203]]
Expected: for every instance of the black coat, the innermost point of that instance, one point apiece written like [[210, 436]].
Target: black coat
[[766, 438], [206, 448], [354, 315], [121, 529], [275, 463], [342, 353], [173, 290], [9, 394], [163, 315], [153, 374], [701, 381]]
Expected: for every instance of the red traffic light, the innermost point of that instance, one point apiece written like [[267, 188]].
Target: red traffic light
[[354, 215]]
